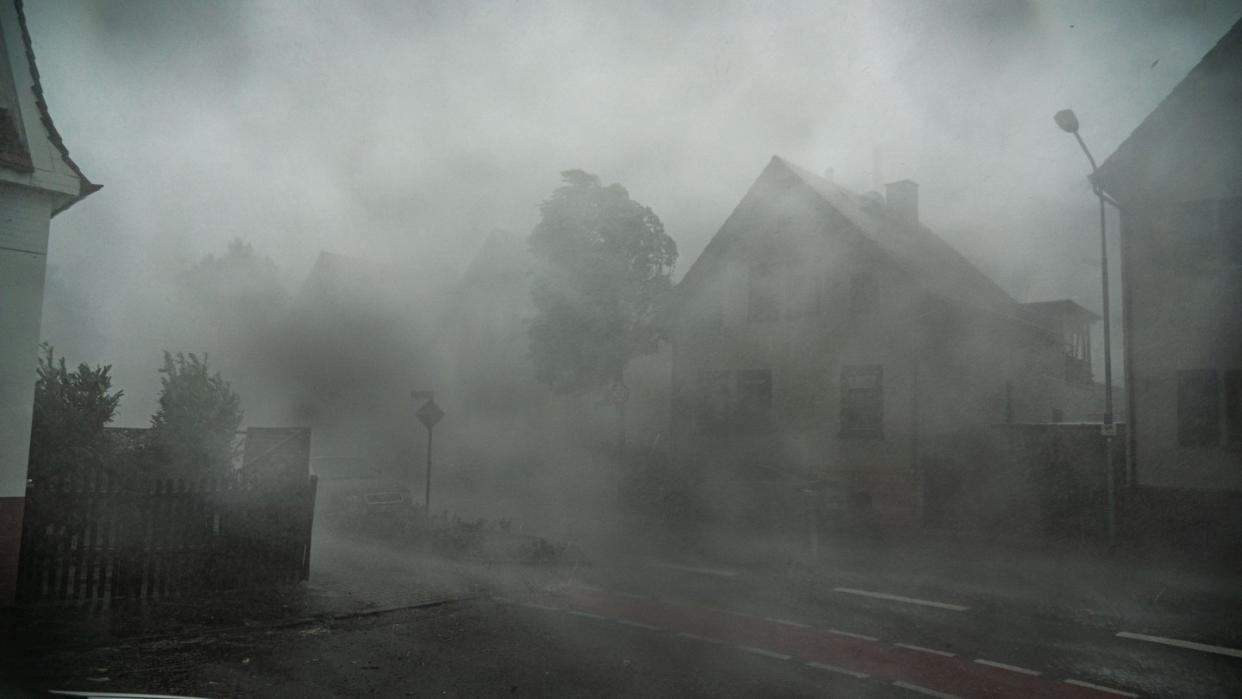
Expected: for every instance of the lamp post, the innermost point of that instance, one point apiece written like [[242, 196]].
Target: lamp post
[[1068, 121]]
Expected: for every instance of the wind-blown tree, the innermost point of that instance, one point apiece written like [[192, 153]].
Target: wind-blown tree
[[71, 409], [603, 268], [194, 431]]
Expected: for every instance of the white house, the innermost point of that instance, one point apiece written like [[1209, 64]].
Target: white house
[[38, 180]]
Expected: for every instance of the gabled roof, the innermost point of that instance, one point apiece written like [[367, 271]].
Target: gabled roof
[[1195, 125], [933, 263], [32, 117]]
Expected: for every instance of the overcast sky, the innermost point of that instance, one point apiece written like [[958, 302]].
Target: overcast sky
[[406, 131]]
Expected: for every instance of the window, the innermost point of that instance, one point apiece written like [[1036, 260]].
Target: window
[[754, 399], [1233, 409], [863, 292], [1198, 414], [862, 400], [711, 406], [764, 301]]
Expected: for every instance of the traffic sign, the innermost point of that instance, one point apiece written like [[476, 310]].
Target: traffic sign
[[430, 414]]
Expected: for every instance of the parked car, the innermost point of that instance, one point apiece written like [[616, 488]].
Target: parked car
[[357, 496]]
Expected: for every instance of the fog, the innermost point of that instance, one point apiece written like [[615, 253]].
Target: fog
[[333, 200], [408, 132]]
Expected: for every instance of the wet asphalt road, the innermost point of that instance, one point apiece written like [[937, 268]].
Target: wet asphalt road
[[1032, 637], [636, 624]]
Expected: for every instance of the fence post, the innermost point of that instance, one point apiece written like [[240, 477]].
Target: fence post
[[313, 485]]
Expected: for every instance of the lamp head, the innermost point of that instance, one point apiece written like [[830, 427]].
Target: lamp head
[[1067, 120]]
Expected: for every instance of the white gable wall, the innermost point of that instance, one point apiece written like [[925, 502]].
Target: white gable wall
[[24, 222]]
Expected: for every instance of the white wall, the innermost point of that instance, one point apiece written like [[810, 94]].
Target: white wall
[[24, 216]]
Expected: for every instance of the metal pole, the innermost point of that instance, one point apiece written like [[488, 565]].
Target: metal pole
[[1109, 427], [427, 485], [620, 443]]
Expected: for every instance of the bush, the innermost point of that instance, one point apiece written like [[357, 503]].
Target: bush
[[70, 410], [194, 431]]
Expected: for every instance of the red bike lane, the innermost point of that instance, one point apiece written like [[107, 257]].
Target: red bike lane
[[926, 669]]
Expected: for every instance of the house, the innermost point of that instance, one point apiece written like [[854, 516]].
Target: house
[[38, 180], [1177, 180], [828, 337], [359, 339], [501, 415]]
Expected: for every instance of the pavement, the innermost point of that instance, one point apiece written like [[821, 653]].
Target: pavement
[[759, 617]]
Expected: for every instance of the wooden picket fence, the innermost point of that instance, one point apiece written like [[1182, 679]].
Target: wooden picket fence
[[98, 540]]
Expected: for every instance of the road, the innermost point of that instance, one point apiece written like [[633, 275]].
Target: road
[[998, 626], [638, 623]]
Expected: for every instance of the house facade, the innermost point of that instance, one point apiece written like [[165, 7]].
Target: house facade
[[829, 337], [1177, 180], [38, 180]]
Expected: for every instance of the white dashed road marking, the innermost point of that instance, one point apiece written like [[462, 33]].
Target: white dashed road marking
[[787, 622], [544, 607], [899, 598], [841, 670], [696, 637], [639, 624], [922, 649], [925, 690], [587, 615], [1011, 668], [692, 569], [1190, 645], [764, 653], [851, 634], [1102, 688]]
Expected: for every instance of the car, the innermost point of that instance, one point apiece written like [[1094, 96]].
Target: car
[[356, 496]]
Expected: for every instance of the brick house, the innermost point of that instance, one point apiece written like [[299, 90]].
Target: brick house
[[1178, 182], [829, 336]]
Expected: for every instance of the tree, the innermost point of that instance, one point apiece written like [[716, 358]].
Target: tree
[[603, 268], [233, 303], [71, 409], [238, 283], [193, 433]]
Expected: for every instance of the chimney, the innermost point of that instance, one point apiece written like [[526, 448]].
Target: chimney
[[903, 200]]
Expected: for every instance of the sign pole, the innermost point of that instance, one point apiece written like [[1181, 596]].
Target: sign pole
[[429, 415], [427, 485]]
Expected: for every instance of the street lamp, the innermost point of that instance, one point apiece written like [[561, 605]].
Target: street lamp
[[1068, 121]]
